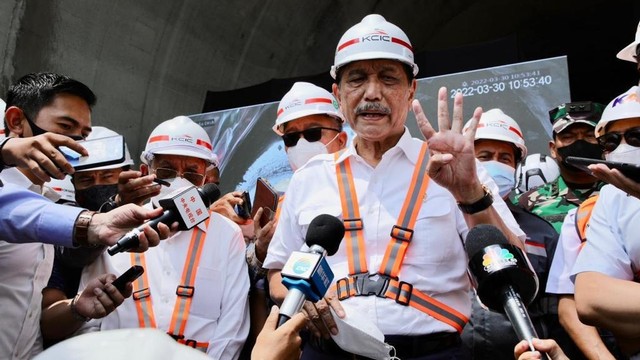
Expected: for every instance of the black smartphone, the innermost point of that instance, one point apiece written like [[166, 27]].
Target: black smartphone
[[130, 275], [632, 171], [244, 210], [102, 152]]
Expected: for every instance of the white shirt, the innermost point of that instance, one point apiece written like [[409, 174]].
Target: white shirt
[[219, 311], [435, 262], [613, 247], [567, 251], [24, 271]]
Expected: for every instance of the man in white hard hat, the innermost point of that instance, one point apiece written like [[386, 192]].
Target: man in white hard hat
[[500, 146], [606, 271], [631, 52], [375, 87], [195, 284]]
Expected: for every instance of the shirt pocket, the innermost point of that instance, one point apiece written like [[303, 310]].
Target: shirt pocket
[[435, 236], [207, 295]]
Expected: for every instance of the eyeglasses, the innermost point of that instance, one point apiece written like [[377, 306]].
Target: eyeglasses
[[610, 141], [194, 178], [311, 135]]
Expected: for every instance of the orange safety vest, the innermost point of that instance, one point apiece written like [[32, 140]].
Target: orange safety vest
[[583, 214], [386, 282], [184, 292]]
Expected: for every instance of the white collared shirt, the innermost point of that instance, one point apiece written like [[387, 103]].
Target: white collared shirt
[[24, 271], [219, 310], [567, 251], [435, 262]]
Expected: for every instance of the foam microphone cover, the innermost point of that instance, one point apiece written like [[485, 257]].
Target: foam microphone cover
[[326, 231]]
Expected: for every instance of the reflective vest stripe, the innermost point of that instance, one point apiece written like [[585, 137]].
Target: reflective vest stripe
[[351, 217], [583, 214], [142, 295], [402, 233]]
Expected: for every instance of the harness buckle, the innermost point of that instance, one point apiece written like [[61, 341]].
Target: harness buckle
[[175, 337], [186, 291], [403, 295], [401, 233], [343, 294], [371, 284], [191, 342], [141, 294], [352, 224]]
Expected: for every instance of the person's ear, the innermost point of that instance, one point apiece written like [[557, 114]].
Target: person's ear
[[552, 150], [342, 139], [15, 120], [336, 93]]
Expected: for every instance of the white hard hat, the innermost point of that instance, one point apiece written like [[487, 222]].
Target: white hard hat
[[64, 188], [496, 125], [536, 170], [630, 50], [305, 99], [178, 136], [98, 132], [625, 106], [373, 38]]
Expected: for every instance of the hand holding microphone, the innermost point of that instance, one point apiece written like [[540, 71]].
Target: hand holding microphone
[[307, 274], [188, 207]]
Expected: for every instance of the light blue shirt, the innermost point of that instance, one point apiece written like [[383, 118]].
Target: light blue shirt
[[28, 217]]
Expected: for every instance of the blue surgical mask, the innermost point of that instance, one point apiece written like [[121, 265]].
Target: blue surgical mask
[[503, 174]]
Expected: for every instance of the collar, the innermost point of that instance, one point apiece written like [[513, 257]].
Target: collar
[[407, 145]]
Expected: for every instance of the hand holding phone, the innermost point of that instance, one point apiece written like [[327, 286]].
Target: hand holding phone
[[244, 210], [130, 275], [102, 152], [267, 198], [632, 171]]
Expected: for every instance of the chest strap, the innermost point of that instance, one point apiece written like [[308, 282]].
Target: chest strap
[[184, 292], [386, 282]]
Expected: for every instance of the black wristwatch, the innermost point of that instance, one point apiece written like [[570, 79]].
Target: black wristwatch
[[2, 163], [482, 204]]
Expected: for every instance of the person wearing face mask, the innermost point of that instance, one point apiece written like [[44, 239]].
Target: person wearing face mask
[[606, 270], [500, 147], [573, 135], [195, 285]]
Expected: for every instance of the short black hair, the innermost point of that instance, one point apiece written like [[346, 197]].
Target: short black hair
[[407, 69], [34, 91]]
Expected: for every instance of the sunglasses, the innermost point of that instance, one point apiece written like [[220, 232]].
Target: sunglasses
[[166, 174], [311, 135], [610, 141]]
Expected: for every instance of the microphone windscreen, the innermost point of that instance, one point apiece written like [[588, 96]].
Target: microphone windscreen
[[211, 193], [481, 236], [326, 231]]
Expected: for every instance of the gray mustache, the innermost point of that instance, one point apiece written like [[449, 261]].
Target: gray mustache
[[373, 107]]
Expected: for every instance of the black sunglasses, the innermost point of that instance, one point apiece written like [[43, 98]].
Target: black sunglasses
[[311, 135], [610, 141]]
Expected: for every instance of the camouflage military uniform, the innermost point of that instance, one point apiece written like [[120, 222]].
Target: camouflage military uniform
[[552, 201]]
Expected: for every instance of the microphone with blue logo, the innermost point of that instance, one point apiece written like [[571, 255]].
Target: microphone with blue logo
[[306, 274]]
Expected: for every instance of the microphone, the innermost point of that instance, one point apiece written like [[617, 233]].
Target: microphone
[[503, 277], [188, 206], [307, 274]]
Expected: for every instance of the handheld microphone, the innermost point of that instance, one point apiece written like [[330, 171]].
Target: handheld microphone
[[503, 277], [307, 274], [188, 206]]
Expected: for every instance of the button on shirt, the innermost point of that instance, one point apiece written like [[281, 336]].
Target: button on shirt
[[435, 262], [612, 248], [219, 310], [24, 271]]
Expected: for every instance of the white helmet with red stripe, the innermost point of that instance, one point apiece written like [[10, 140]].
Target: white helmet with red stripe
[[178, 136], [305, 99], [496, 125], [373, 38], [64, 188]]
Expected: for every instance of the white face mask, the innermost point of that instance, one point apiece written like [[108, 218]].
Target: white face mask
[[301, 153], [503, 175], [359, 335], [625, 153], [176, 183]]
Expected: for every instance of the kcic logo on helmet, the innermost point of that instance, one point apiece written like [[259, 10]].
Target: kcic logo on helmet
[[376, 35], [626, 98]]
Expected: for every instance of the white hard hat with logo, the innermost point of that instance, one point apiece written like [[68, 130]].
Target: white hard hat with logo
[[98, 132], [624, 106], [178, 136], [629, 52], [373, 38], [496, 125], [536, 170], [305, 99], [64, 188]]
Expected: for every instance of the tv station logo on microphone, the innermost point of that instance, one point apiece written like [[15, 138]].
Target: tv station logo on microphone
[[300, 265], [496, 258]]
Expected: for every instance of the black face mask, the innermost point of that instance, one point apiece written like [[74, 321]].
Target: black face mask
[[579, 148], [93, 197], [36, 130]]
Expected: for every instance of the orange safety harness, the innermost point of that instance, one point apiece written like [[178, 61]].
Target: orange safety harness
[[386, 282], [184, 292], [583, 215]]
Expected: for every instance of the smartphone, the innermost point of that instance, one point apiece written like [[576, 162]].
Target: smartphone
[[244, 210], [102, 152], [632, 171], [266, 197], [130, 275]]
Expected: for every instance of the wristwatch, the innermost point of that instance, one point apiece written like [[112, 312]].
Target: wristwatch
[[485, 201], [81, 228]]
